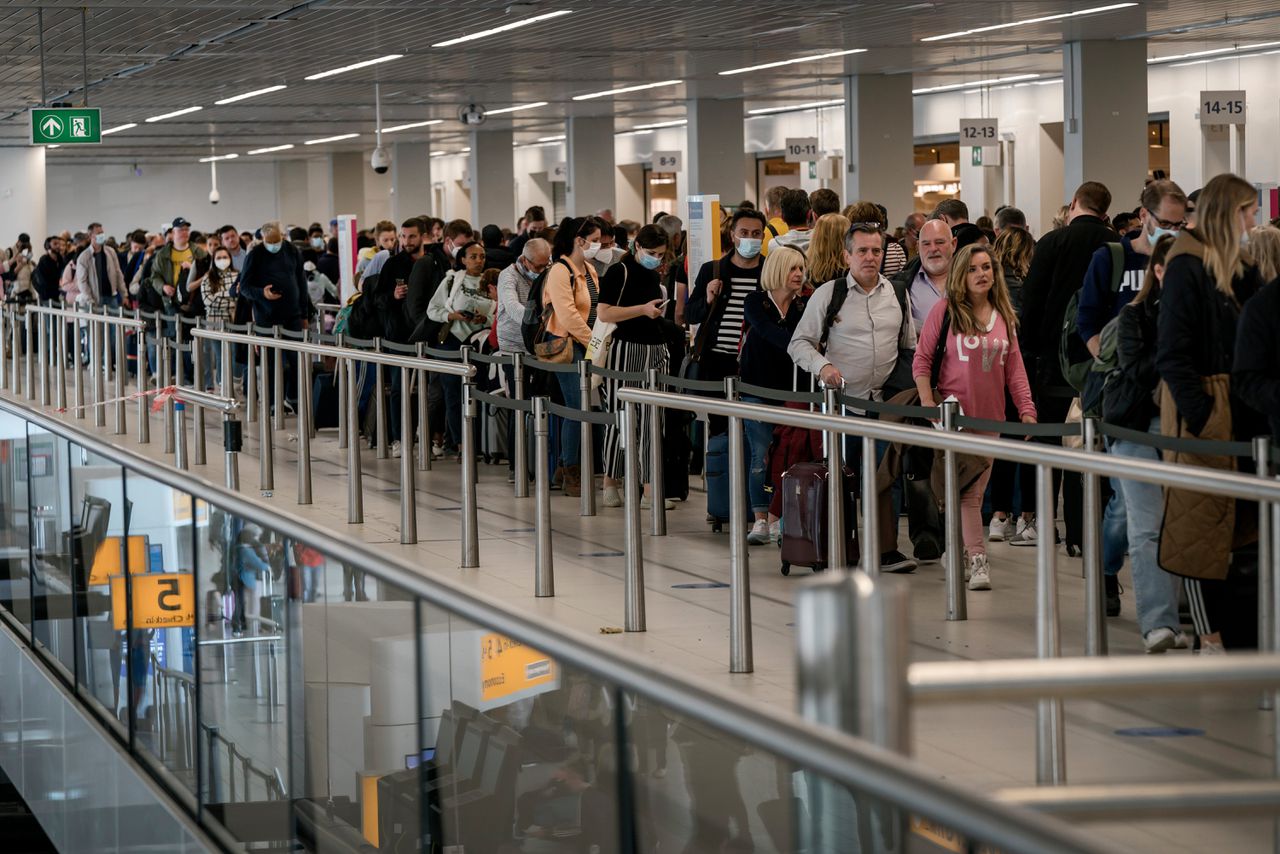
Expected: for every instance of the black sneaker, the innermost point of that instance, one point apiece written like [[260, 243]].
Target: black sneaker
[[1113, 589], [896, 561], [928, 549]]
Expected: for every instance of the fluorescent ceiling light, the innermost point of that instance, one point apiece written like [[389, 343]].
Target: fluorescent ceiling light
[[656, 125], [438, 153], [1224, 58], [218, 157], [353, 66], [412, 125], [626, 89], [1040, 20], [634, 133], [271, 149], [245, 95], [551, 138], [47, 147], [164, 116], [517, 108], [466, 150], [813, 58], [119, 128], [1214, 52], [809, 106], [337, 138], [493, 31], [975, 84]]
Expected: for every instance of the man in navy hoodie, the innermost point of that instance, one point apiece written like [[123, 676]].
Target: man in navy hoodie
[[273, 282]]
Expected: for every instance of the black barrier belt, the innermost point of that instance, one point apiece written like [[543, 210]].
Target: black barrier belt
[[501, 402], [605, 418], [1017, 428], [402, 349], [621, 376], [691, 385], [148, 315], [239, 328], [1207, 447], [358, 343], [299, 335], [551, 367], [328, 339], [898, 410], [486, 359], [778, 394], [269, 331], [443, 355]]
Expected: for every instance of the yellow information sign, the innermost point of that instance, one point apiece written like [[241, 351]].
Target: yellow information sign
[[508, 667], [106, 561], [160, 601]]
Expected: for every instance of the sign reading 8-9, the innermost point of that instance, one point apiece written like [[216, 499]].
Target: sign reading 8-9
[[160, 601]]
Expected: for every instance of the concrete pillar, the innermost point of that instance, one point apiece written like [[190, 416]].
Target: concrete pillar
[[879, 142], [292, 200], [1105, 117], [346, 170], [981, 187], [715, 147], [493, 179], [320, 191], [592, 174], [23, 195], [410, 180]]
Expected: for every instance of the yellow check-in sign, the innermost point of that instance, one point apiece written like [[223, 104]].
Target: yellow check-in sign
[[508, 667], [107, 560], [160, 601]]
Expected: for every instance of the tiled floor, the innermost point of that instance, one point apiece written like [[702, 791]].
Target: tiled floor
[[986, 746]]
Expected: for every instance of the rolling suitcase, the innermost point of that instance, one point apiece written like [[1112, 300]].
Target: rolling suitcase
[[804, 516], [324, 401], [676, 453], [716, 472]]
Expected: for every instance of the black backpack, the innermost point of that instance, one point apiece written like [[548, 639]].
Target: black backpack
[[533, 326]]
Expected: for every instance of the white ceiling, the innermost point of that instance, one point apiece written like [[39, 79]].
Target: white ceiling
[[148, 57]]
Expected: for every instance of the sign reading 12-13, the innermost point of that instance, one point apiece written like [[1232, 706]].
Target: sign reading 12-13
[[66, 126], [1222, 107]]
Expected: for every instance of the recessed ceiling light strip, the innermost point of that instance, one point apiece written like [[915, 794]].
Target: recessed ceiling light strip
[[493, 31], [815, 58], [1038, 20]]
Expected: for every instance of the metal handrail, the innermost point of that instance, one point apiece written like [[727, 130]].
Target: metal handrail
[[82, 314], [837, 756], [334, 351]]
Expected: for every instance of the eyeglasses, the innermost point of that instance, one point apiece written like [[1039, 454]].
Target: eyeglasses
[[1164, 223]]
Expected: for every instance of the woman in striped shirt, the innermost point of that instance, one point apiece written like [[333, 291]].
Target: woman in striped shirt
[[219, 305]]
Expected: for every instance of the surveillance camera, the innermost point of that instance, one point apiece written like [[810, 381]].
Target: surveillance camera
[[214, 197], [380, 161]]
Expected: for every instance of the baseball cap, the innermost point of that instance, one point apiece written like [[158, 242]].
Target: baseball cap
[[179, 222]]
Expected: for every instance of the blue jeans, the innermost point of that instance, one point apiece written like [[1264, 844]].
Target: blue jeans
[[1156, 590], [759, 434], [570, 431], [1114, 539]]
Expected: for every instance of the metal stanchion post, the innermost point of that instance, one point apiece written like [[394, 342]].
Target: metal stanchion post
[[273, 682], [519, 427], [870, 528], [740, 646], [379, 406], [251, 382], [1051, 750], [340, 383], [957, 605], [198, 450], [144, 401], [470, 533], [59, 357], [355, 480], [42, 321], [77, 361], [266, 447], [97, 362], [408, 487], [4, 340], [166, 380], [122, 369], [424, 420], [179, 435], [1266, 563], [657, 484], [28, 375], [633, 590], [304, 420], [586, 450], [1095, 628], [836, 534], [232, 437], [277, 381], [543, 569]]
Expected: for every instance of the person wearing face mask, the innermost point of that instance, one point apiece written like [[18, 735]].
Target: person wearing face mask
[[216, 293], [315, 238], [631, 296], [274, 284], [98, 275], [463, 304], [457, 234], [608, 255], [514, 284]]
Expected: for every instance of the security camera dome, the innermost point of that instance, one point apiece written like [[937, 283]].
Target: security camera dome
[[380, 161]]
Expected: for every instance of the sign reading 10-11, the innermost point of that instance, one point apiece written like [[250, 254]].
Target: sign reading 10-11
[[66, 126]]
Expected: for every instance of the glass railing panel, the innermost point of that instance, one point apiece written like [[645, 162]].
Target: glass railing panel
[[15, 519], [54, 545]]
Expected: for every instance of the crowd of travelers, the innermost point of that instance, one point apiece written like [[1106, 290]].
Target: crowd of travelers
[[1168, 325]]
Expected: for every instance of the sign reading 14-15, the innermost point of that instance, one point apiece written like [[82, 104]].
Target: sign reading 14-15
[[66, 126], [1225, 107]]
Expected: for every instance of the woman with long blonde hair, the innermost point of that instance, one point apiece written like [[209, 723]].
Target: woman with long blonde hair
[[826, 249], [969, 350], [1209, 275]]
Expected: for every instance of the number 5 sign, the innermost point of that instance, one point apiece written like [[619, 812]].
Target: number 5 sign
[[1222, 107], [160, 601]]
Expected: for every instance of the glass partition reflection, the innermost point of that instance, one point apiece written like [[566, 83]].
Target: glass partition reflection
[[59, 538], [15, 518]]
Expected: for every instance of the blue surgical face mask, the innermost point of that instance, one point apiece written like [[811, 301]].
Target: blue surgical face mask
[[273, 248], [1154, 237], [317, 242], [649, 262], [99, 239], [749, 247]]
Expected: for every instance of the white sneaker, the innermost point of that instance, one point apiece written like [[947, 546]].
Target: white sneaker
[[396, 450], [645, 503], [1026, 535], [1211, 648], [759, 533], [611, 497], [775, 532], [1164, 638], [437, 451], [998, 532], [979, 573]]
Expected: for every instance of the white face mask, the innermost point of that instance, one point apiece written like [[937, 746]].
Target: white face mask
[[222, 263], [591, 251]]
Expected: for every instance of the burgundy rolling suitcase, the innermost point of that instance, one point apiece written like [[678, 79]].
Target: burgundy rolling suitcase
[[804, 516]]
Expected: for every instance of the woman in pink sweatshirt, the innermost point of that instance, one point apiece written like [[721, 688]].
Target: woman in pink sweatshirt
[[969, 348]]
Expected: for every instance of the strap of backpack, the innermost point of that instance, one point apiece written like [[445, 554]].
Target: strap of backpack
[[940, 349], [839, 292], [773, 229], [1117, 266]]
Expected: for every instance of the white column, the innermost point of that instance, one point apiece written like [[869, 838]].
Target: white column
[[879, 142], [410, 180], [981, 187], [292, 202], [1105, 117], [320, 192], [493, 179], [592, 175], [23, 194], [715, 149], [347, 182]]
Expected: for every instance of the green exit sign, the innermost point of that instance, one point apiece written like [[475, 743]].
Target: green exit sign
[[66, 126]]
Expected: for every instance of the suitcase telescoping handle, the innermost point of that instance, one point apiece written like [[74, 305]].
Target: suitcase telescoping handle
[[830, 406]]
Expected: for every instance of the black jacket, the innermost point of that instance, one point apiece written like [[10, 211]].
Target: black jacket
[[47, 275], [498, 257], [1196, 335], [1129, 396], [425, 278], [698, 310], [283, 270], [1057, 272], [395, 317], [763, 360], [1255, 374]]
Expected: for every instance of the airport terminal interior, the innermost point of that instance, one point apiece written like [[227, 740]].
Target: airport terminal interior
[[549, 428]]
